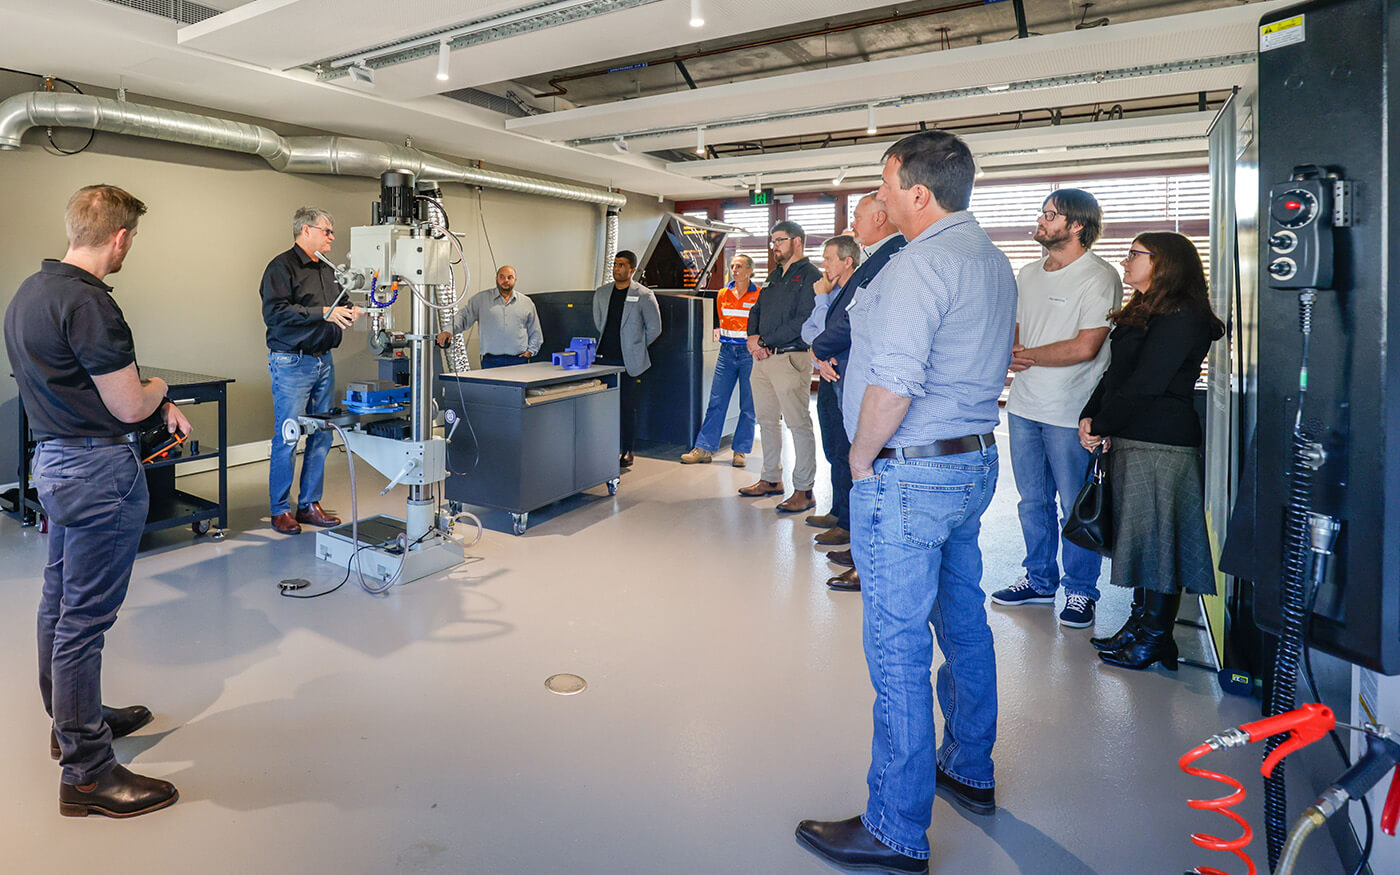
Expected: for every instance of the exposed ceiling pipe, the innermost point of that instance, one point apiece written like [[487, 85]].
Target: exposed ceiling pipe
[[341, 156]]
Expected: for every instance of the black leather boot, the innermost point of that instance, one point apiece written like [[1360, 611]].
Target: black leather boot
[[1124, 635], [1153, 642]]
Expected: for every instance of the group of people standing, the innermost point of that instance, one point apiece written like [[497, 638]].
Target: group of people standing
[[912, 324]]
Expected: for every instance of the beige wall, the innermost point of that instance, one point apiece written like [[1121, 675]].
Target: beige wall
[[190, 286]]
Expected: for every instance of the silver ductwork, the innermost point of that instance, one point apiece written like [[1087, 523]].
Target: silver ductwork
[[609, 245], [341, 156]]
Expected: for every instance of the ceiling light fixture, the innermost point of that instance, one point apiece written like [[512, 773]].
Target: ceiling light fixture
[[619, 145], [362, 74], [870, 119], [442, 61], [840, 177], [1003, 87], [758, 182], [700, 141], [697, 14]]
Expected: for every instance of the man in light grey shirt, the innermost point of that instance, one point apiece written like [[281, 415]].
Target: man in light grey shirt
[[510, 328]]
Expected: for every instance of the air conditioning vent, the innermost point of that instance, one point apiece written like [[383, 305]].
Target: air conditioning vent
[[182, 11]]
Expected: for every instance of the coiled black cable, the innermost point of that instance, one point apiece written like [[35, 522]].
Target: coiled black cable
[[1292, 594]]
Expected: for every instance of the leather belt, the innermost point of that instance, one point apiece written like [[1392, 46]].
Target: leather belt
[[947, 447], [130, 437], [796, 347]]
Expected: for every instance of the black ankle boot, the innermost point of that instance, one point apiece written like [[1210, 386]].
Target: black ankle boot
[[1153, 641], [1125, 635]]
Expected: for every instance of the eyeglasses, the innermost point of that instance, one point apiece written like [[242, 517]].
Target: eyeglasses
[[1134, 253], [329, 232], [1049, 215], [778, 241]]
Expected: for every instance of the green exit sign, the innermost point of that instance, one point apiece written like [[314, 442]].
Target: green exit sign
[[761, 198]]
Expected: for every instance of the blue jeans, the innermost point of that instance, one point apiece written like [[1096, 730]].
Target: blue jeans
[[837, 449], [914, 538], [301, 384], [96, 501], [1045, 460], [498, 360], [734, 366]]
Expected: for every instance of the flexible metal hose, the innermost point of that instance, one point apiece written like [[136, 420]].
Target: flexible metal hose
[[1306, 825], [1292, 604]]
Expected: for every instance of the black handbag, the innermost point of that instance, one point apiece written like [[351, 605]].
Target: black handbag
[[1090, 522]]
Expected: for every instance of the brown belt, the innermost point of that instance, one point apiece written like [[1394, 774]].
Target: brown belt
[[947, 447]]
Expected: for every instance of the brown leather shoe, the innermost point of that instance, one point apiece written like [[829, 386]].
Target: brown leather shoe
[[847, 581], [761, 488], [624, 460], [800, 500], [286, 524], [822, 521], [842, 557], [315, 515], [833, 537]]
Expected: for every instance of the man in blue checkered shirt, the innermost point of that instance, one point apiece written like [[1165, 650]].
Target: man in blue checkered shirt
[[930, 343]]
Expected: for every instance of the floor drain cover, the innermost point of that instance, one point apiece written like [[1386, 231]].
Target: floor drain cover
[[565, 684]]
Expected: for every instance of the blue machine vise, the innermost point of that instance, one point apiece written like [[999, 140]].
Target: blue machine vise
[[579, 355], [376, 396]]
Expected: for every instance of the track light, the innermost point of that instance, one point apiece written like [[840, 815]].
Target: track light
[[697, 14], [619, 145], [362, 73], [700, 141], [870, 118], [758, 182], [442, 61], [840, 177]]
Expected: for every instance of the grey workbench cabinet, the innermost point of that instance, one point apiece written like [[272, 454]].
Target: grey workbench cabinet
[[519, 447]]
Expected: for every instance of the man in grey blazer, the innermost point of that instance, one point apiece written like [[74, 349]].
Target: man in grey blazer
[[628, 321]]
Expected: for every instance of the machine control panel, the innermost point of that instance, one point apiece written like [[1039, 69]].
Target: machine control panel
[[1300, 234]]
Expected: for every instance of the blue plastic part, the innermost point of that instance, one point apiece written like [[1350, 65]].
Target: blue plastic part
[[579, 355], [383, 401]]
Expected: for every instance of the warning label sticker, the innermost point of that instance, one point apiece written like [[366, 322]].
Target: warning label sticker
[[1281, 33]]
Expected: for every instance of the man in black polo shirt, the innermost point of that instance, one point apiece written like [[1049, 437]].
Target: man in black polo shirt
[[782, 369], [299, 292], [73, 357]]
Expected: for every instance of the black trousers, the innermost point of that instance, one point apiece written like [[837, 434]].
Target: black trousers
[[629, 406], [837, 449]]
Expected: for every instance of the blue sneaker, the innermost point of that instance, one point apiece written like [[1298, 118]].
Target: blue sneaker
[[1078, 612], [1022, 593]]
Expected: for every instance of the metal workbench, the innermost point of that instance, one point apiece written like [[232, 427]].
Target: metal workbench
[[170, 507], [532, 434]]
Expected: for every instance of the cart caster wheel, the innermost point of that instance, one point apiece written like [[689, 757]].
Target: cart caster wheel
[[218, 535], [612, 485], [519, 521], [43, 525], [200, 527]]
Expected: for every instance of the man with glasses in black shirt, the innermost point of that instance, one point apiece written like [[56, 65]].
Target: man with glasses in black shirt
[[73, 357], [301, 307]]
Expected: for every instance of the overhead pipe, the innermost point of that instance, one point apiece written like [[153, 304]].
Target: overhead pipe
[[340, 156]]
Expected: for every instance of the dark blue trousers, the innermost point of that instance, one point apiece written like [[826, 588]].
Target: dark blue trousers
[[96, 502], [837, 448], [495, 360]]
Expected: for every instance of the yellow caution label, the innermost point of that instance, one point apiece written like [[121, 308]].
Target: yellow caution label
[[1278, 34]]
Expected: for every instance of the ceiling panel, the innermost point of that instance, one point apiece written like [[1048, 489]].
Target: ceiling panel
[[1209, 34], [270, 39]]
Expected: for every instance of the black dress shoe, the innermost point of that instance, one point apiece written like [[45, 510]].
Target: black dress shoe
[[978, 800], [841, 557], [848, 844], [122, 722], [624, 460], [118, 793], [846, 581]]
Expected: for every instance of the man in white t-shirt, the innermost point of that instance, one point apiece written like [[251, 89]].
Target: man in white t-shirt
[[1061, 324]]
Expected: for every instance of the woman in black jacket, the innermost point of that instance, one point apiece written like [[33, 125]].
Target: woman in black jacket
[[1143, 410]]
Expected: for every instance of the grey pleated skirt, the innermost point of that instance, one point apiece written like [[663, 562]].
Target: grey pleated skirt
[[1159, 521]]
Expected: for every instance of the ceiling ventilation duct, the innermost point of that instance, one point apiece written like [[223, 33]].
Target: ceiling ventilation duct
[[341, 156]]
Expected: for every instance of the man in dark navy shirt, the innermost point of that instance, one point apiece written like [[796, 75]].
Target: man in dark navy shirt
[[300, 300], [73, 357]]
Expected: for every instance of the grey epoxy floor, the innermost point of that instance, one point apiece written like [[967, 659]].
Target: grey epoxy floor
[[727, 700]]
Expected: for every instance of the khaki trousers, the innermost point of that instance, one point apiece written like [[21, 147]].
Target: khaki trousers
[[782, 386]]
